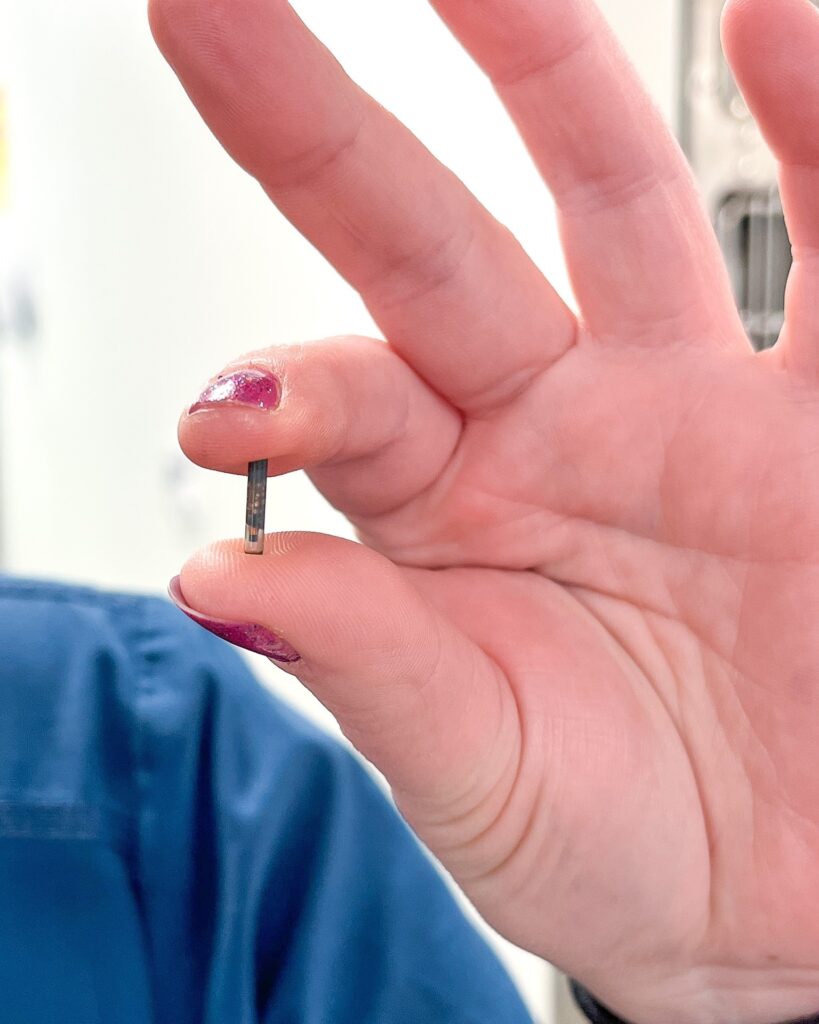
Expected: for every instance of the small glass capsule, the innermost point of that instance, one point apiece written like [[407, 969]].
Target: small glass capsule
[[254, 514]]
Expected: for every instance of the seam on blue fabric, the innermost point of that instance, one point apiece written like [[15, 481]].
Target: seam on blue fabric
[[49, 821], [24, 816], [64, 592], [139, 626], [30, 818], [134, 625]]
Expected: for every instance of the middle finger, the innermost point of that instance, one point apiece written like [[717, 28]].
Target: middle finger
[[643, 258]]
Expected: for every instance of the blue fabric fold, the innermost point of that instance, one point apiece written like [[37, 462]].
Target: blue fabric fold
[[178, 847]]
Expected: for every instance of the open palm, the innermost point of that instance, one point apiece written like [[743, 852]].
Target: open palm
[[581, 637]]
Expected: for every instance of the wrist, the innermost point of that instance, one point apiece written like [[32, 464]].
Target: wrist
[[593, 1010], [597, 1013]]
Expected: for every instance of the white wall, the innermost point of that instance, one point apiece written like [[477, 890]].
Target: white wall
[[153, 261]]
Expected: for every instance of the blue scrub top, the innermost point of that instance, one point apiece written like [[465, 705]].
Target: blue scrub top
[[177, 847]]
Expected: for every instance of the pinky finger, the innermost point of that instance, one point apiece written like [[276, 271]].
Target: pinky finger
[[773, 49]]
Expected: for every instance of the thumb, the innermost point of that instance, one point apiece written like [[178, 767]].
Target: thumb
[[415, 695]]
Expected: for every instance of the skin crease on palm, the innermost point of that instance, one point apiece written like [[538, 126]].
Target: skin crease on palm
[[581, 635]]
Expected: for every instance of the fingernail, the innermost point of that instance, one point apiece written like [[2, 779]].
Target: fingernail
[[241, 634], [257, 388]]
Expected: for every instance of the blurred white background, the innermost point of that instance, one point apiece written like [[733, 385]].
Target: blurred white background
[[136, 259]]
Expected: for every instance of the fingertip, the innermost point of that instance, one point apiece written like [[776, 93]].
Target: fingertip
[[727, 20], [751, 27], [155, 19], [214, 36], [209, 570], [771, 46], [171, 21], [747, 26], [229, 425], [225, 584], [254, 386], [332, 596], [165, 18], [245, 634], [222, 575], [735, 16]]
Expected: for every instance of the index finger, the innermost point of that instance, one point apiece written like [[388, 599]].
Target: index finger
[[450, 287]]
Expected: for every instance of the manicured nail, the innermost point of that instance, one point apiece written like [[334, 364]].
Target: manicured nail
[[241, 634], [257, 388]]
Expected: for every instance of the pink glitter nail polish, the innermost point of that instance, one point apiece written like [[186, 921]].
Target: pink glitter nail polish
[[242, 634], [257, 388]]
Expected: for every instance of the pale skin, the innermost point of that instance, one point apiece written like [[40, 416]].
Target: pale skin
[[581, 636]]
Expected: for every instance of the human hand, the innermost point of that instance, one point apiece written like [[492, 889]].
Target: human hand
[[581, 639]]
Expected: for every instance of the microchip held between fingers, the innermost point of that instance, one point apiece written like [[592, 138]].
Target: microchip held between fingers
[[256, 500]]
